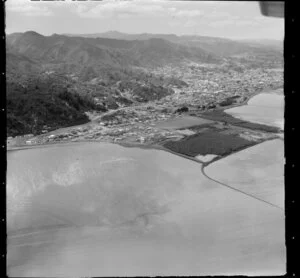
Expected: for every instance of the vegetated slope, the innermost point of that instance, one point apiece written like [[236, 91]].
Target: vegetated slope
[[95, 52], [100, 73], [158, 51], [221, 47], [87, 56], [125, 36], [227, 47], [58, 49], [93, 67], [18, 65], [268, 43], [54, 99], [43, 104]]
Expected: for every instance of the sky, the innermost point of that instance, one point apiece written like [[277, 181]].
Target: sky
[[228, 19]]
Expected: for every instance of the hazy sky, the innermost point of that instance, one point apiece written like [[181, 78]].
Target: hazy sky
[[240, 20]]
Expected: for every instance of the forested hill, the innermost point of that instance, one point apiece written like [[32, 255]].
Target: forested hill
[[58, 49], [53, 80]]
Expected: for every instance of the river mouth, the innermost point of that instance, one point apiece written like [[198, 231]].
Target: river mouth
[[81, 208]]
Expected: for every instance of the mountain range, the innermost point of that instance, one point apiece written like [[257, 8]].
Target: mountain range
[[58, 49], [219, 46], [31, 51], [53, 80]]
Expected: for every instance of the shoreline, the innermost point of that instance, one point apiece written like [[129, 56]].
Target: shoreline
[[156, 146], [244, 102], [202, 165], [142, 146]]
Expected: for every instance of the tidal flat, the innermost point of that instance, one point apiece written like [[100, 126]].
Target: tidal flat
[[80, 209]]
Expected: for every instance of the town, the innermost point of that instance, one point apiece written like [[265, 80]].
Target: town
[[209, 88]]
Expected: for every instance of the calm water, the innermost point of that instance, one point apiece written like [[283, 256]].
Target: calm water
[[265, 108], [88, 209], [258, 170]]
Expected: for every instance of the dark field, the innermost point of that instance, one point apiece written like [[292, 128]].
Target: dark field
[[209, 142], [219, 115]]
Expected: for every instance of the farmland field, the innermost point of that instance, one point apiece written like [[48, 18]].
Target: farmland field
[[208, 142]]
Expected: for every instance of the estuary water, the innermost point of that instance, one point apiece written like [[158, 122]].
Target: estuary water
[[96, 209], [264, 108], [258, 170]]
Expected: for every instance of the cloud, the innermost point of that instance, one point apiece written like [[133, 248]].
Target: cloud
[[216, 18], [188, 13], [120, 7], [217, 14], [191, 23], [236, 22], [139, 8], [28, 7], [126, 8]]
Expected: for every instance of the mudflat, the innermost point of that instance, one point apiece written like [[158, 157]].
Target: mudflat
[[95, 209]]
